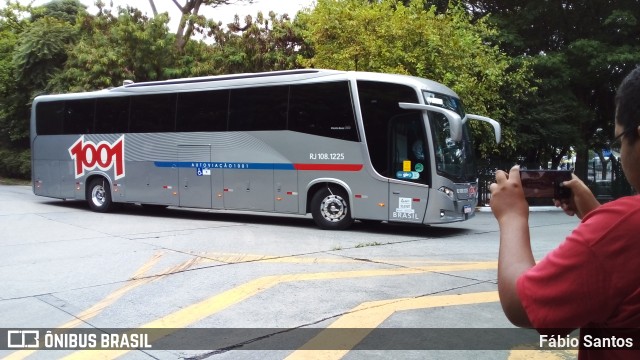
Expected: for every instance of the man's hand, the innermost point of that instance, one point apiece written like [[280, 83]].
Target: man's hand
[[582, 200], [507, 196]]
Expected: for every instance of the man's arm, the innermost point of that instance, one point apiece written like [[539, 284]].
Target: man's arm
[[511, 209]]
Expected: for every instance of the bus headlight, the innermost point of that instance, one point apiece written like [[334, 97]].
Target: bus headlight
[[450, 193]]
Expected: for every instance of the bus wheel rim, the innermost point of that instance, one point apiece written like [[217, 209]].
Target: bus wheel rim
[[98, 195], [333, 208]]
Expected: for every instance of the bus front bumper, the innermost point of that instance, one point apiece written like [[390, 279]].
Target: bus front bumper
[[462, 210]]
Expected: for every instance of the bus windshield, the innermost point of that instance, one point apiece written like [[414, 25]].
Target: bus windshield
[[454, 159]]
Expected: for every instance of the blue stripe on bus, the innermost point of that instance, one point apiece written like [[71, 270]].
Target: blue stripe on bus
[[223, 165]]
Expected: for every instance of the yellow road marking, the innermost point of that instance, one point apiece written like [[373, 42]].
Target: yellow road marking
[[366, 316], [196, 312], [96, 309], [370, 315], [233, 258], [521, 354]]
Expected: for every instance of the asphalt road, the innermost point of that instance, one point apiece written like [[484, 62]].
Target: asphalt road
[[251, 278]]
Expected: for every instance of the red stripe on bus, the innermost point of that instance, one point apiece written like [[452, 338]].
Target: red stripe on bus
[[328, 167]]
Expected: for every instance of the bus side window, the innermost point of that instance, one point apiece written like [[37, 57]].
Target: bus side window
[[202, 111], [263, 108], [112, 115], [323, 109], [78, 116], [152, 113], [49, 116]]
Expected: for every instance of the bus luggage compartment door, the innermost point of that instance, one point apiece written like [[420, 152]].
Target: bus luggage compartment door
[[249, 189], [196, 180], [286, 191]]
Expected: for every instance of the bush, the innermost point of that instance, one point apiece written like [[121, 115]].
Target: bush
[[15, 163]]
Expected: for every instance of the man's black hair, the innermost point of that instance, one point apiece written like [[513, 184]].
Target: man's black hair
[[628, 105]]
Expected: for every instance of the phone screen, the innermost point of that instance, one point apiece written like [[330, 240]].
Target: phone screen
[[545, 183]]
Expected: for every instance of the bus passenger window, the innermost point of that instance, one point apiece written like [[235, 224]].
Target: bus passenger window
[[263, 108], [323, 109], [202, 111], [152, 113], [78, 116], [50, 116], [112, 115]]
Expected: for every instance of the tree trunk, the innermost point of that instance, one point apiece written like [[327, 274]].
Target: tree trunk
[[185, 28], [582, 160], [153, 8]]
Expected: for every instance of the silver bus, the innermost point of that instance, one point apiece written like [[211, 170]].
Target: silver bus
[[339, 145]]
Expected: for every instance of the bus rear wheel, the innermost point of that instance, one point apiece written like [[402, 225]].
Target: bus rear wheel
[[330, 209], [99, 195]]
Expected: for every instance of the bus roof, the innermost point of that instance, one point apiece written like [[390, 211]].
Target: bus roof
[[257, 79]]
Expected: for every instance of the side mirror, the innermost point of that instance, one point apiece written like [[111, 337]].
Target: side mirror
[[496, 125], [455, 121]]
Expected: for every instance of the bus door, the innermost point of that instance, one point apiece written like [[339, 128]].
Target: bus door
[[195, 177], [409, 178]]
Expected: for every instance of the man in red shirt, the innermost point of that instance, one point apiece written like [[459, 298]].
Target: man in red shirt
[[591, 281]]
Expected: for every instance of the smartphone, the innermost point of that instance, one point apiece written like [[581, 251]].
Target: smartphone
[[545, 183]]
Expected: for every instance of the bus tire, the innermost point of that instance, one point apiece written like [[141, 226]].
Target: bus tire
[[99, 195], [330, 209]]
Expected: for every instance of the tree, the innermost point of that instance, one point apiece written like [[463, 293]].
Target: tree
[[36, 42], [12, 131], [33, 43], [264, 44], [63, 10], [114, 48], [389, 36], [580, 51], [41, 51], [14, 153], [190, 20]]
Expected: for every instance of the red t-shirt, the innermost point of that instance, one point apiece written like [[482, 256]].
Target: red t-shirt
[[592, 280]]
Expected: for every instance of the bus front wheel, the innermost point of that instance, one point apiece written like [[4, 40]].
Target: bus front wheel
[[330, 209], [99, 195]]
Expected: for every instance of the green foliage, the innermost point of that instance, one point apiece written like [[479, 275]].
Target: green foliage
[[15, 163], [579, 53], [9, 97], [30, 52], [389, 36], [63, 10], [191, 21], [41, 51], [261, 44], [33, 49], [116, 48], [14, 17]]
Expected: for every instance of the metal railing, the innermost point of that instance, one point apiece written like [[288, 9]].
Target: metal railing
[[606, 182]]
